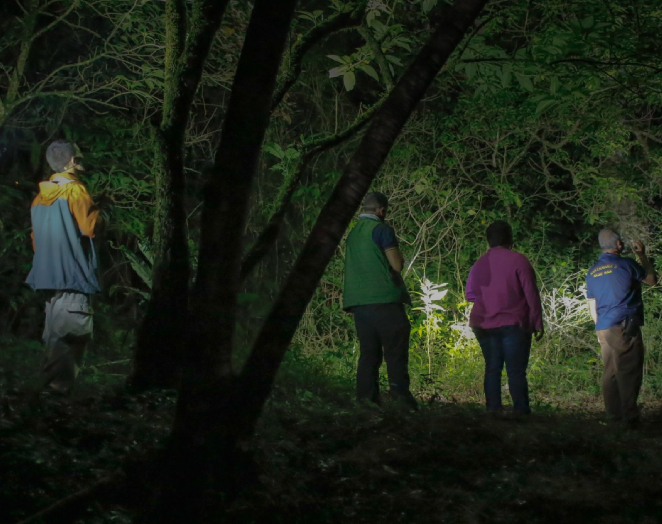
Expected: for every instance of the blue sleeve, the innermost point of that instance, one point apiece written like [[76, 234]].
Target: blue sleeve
[[384, 236], [637, 271], [589, 288]]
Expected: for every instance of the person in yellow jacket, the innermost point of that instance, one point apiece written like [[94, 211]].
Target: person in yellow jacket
[[63, 220]]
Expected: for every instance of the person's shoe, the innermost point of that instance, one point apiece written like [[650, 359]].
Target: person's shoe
[[405, 397]]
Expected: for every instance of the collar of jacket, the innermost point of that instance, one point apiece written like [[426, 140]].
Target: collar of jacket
[[64, 177]]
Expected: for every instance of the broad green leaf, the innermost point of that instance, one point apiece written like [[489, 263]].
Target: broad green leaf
[[336, 58], [349, 79], [544, 104], [370, 71], [394, 60], [554, 85], [143, 270], [525, 82], [337, 71], [428, 5], [470, 70], [274, 149]]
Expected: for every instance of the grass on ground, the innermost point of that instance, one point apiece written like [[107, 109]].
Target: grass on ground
[[323, 459]]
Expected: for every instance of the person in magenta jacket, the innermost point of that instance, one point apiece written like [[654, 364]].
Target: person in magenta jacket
[[506, 313]]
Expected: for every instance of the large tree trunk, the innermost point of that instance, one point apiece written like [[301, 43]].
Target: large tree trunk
[[201, 457], [161, 337]]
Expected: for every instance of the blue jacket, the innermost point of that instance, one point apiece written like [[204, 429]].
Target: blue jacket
[[63, 220], [615, 285]]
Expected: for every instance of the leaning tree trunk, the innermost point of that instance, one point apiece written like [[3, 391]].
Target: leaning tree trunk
[[257, 378], [161, 337]]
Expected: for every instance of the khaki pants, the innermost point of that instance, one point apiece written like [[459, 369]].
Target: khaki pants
[[67, 330], [623, 359]]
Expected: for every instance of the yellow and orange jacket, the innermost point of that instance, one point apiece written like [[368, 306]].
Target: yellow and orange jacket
[[63, 220]]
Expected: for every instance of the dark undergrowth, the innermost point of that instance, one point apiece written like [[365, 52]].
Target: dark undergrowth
[[322, 459]]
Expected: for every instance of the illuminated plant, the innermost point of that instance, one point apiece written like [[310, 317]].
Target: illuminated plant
[[431, 293]]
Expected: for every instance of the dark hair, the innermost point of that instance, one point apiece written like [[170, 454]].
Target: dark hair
[[499, 234], [374, 200], [59, 154]]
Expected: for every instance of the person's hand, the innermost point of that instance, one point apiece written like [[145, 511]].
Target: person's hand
[[537, 335], [102, 201], [638, 248]]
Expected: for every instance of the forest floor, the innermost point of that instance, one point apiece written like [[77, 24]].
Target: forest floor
[[324, 459]]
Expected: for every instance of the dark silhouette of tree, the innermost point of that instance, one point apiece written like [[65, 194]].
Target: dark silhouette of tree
[[157, 361], [217, 408]]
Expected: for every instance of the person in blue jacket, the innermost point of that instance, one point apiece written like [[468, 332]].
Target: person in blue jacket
[[613, 289], [63, 221]]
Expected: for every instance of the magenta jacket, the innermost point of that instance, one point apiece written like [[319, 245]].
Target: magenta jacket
[[502, 286]]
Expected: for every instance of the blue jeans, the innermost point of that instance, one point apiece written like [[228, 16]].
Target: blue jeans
[[509, 344]]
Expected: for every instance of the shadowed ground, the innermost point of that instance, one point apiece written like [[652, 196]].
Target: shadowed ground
[[324, 460]]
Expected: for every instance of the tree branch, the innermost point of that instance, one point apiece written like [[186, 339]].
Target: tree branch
[[292, 63], [161, 336], [59, 19], [175, 41], [269, 234], [205, 21], [376, 49]]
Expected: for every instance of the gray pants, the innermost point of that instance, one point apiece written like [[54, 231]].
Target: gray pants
[[623, 359], [67, 330]]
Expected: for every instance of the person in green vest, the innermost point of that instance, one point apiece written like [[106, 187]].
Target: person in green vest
[[375, 293]]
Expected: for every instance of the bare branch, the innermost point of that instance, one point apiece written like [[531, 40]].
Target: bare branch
[[55, 22]]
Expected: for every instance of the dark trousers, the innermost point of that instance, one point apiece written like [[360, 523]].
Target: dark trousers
[[623, 359], [383, 331], [512, 346]]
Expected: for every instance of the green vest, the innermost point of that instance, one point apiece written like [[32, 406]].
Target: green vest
[[369, 278]]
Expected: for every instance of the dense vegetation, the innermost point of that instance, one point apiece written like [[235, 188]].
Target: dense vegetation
[[547, 115]]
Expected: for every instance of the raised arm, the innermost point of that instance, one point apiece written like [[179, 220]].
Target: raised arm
[[651, 275]]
